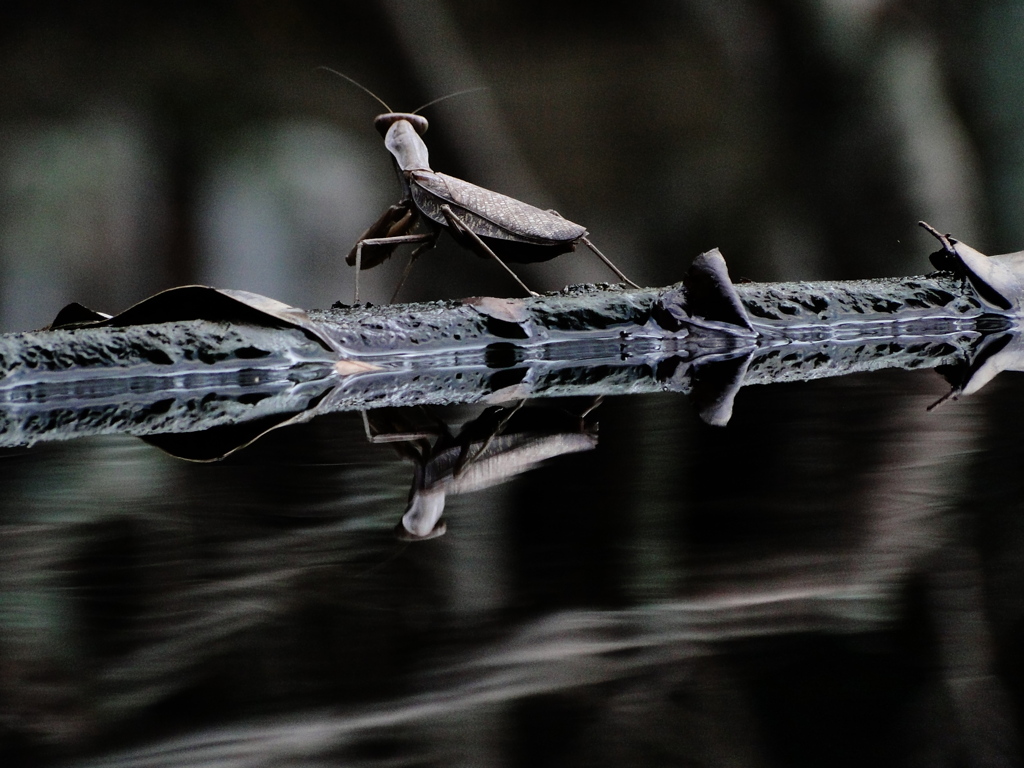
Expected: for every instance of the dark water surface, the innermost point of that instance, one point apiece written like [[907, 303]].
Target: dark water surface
[[833, 579]]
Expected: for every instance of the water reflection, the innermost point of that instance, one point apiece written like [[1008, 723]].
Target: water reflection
[[491, 449], [677, 593], [204, 371], [678, 590], [759, 595]]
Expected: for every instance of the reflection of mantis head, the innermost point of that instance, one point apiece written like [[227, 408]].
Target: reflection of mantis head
[[422, 518], [491, 449]]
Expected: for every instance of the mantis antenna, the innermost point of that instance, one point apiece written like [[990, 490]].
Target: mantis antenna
[[384, 104]]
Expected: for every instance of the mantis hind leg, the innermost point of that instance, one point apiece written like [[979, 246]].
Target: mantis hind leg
[[460, 226], [601, 256], [607, 261]]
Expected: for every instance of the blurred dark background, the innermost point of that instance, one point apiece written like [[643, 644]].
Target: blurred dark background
[[148, 145]]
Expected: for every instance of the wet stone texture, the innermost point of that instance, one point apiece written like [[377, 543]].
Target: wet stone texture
[[371, 329], [185, 345], [941, 293], [366, 329]]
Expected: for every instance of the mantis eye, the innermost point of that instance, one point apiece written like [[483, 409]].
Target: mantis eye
[[385, 121]]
